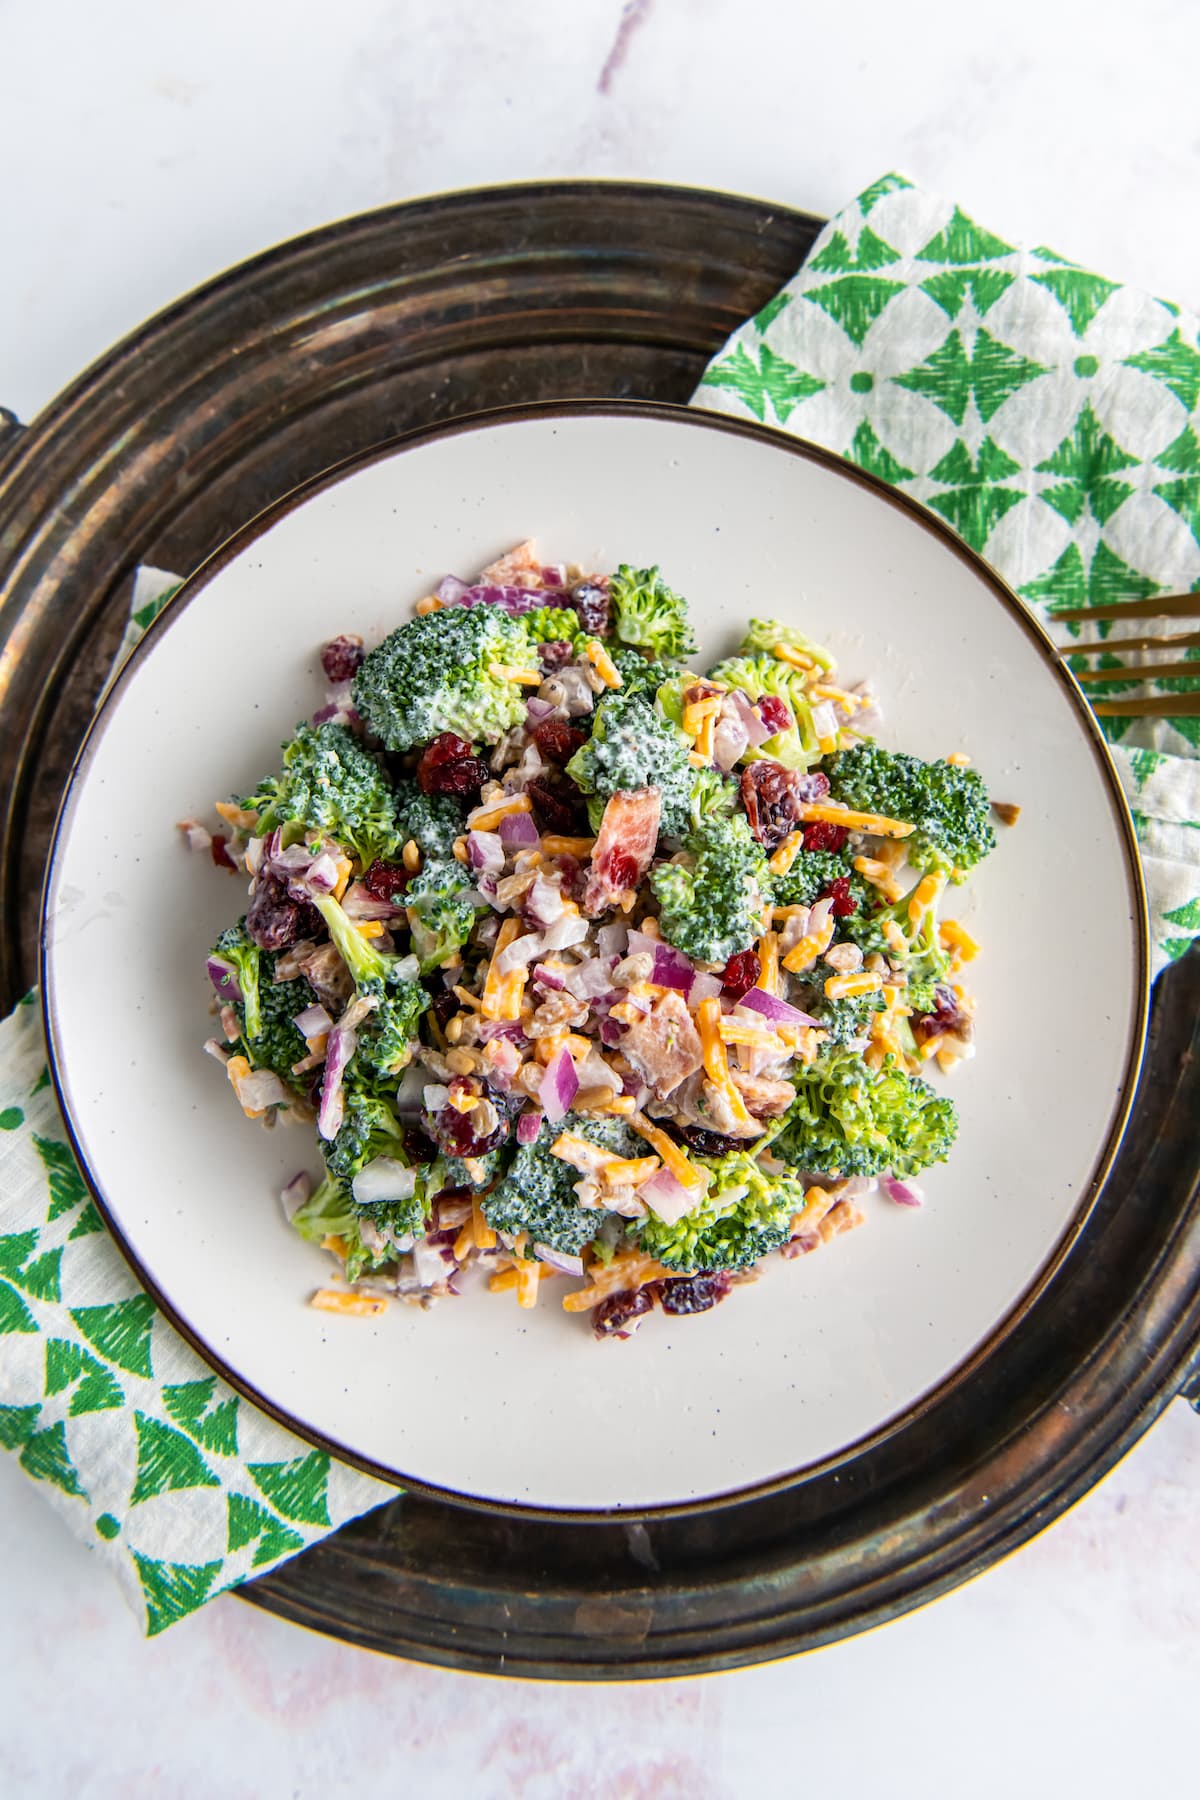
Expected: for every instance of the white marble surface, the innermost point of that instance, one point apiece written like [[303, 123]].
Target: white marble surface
[[150, 146]]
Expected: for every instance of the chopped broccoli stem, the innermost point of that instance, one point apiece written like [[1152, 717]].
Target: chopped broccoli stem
[[240, 950]]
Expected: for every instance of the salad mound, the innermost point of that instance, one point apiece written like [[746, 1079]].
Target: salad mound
[[586, 966]]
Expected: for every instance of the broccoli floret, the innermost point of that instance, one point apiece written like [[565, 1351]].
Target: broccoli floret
[[433, 821], [330, 783], [632, 747], [713, 796], [744, 1215], [639, 674], [538, 1196], [648, 614], [813, 872], [277, 1044], [438, 673], [442, 917], [555, 625], [712, 907], [385, 1039], [331, 1211], [764, 634], [845, 1020], [847, 1119], [369, 1129], [235, 947], [947, 802], [760, 674]]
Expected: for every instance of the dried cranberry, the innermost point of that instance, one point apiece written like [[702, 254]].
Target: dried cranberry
[[773, 796], [776, 714], [741, 973], [825, 837], [418, 1147], [449, 765], [613, 1314], [445, 1005], [694, 1293], [844, 904], [453, 1132], [557, 740], [558, 804], [342, 656], [274, 919], [622, 870], [711, 1143], [948, 1018], [386, 880], [590, 602], [554, 655], [220, 854]]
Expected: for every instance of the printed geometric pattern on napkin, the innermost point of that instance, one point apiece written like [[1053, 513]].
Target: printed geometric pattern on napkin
[[1048, 414], [183, 1487]]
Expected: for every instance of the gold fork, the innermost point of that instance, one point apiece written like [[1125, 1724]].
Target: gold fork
[[1150, 706]]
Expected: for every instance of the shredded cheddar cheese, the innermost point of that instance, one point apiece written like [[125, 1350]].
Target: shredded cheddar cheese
[[497, 989], [240, 817], [768, 956], [487, 818], [629, 1171], [602, 662], [806, 952], [625, 1272], [848, 987], [954, 937], [787, 853], [685, 1172], [356, 1305], [815, 812], [925, 896], [797, 658], [554, 845], [716, 1063], [525, 677]]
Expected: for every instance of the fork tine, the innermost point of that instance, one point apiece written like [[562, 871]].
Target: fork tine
[[1152, 706], [1183, 640], [1141, 672], [1160, 606]]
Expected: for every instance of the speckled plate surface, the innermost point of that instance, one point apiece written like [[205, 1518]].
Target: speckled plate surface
[[822, 1354], [326, 347]]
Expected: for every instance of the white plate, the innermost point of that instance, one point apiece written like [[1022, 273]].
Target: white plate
[[477, 1397]]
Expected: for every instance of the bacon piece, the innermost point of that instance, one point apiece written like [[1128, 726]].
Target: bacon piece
[[664, 1046], [623, 849], [518, 567]]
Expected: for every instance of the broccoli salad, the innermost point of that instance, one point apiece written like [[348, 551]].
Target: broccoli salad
[[586, 967]]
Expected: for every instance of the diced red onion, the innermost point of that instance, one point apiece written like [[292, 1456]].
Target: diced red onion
[[611, 1033], [338, 1052], [499, 1028], [901, 1192], [639, 943], [259, 1089], [384, 1178], [435, 1096], [560, 1084], [557, 1259], [671, 968], [312, 1021], [429, 1265], [224, 978], [729, 742], [705, 987], [548, 979], [759, 1001], [358, 902], [824, 719], [529, 1123], [542, 904], [293, 1196], [410, 1096], [537, 709], [485, 852], [749, 717], [818, 916], [554, 575], [589, 980], [667, 1197], [519, 832], [451, 590]]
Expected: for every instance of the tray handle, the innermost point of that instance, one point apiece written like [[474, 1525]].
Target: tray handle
[[10, 429]]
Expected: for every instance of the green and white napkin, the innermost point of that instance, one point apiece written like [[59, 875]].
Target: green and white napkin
[[1049, 415], [182, 1486]]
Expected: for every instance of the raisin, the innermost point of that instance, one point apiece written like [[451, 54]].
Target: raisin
[[418, 1147], [453, 1133], [711, 1143], [776, 714], [612, 1314], [773, 796], [557, 740], [220, 854], [386, 880], [741, 973], [274, 919], [590, 602], [948, 1019], [844, 904], [445, 1005], [554, 655], [558, 804], [825, 837], [342, 656], [694, 1293], [449, 765]]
